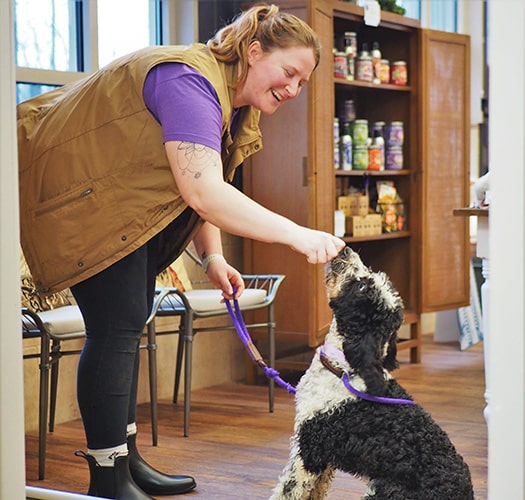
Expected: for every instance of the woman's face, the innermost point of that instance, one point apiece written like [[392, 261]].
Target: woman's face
[[274, 77]]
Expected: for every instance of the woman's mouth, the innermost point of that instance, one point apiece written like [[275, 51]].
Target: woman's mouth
[[277, 96]]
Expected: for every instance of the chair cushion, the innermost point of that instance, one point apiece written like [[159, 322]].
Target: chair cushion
[[63, 322], [210, 299]]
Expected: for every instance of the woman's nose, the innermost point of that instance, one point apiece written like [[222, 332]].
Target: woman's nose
[[293, 89]]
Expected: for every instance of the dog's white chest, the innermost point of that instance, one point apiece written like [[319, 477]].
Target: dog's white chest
[[319, 390]]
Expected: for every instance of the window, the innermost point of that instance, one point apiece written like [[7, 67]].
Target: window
[[25, 91], [135, 31], [46, 34], [412, 7], [443, 15], [436, 14], [59, 41]]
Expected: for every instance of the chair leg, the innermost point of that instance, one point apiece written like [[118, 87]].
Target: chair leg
[[271, 349], [178, 366], [188, 353], [43, 404], [54, 362], [152, 362]]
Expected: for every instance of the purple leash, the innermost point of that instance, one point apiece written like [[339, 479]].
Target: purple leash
[[374, 399], [242, 331], [329, 351]]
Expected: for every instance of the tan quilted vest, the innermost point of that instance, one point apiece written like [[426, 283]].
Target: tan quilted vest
[[95, 183]]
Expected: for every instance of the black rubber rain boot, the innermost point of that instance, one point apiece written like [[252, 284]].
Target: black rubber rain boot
[[112, 482], [151, 480]]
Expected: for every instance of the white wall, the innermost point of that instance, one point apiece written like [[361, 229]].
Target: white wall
[[507, 250], [12, 459]]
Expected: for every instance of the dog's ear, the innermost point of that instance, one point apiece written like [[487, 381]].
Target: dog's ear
[[390, 361], [366, 358]]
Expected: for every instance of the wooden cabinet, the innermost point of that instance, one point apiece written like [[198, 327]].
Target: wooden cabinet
[[294, 173]]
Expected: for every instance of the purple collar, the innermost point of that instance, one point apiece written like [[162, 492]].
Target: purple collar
[[332, 352], [327, 351]]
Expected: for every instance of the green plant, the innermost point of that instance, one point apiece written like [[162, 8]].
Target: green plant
[[391, 6]]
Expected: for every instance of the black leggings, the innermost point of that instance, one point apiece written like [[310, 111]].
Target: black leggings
[[115, 305]]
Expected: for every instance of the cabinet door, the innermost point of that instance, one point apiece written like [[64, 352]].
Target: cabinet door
[[293, 176], [445, 152], [321, 163]]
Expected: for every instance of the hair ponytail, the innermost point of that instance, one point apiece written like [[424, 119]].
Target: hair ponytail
[[266, 24]]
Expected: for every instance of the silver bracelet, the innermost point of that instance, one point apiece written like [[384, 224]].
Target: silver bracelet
[[213, 256]]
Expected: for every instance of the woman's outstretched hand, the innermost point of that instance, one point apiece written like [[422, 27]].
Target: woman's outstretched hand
[[318, 247]]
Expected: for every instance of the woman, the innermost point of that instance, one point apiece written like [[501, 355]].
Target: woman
[[119, 171]]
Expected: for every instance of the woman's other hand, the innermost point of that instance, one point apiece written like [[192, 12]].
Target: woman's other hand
[[225, 277]]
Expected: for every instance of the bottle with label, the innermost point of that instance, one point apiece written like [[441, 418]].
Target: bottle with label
[[346, 148], [363, 68], [394, 158], [360, 132], [336, 130], [384, 74], [364, 50], [337, 155], [399, 75], [374, 157], [340, 65], [376, 152], [395, 134], [360, 157], [351, 53], [347, 110], [379, 135], [376, 63]]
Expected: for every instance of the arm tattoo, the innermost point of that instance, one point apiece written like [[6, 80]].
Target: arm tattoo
[[194, 158]]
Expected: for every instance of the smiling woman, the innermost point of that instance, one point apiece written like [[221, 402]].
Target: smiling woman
[[150, 143], [274, 77]]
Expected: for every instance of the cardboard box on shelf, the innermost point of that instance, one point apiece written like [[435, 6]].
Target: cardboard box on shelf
[[353, 204], [364, 225]]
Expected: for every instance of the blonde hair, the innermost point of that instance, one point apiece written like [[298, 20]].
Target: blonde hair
[[270, 27]]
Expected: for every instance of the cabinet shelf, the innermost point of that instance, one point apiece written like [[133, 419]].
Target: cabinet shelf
[[359, 84], [372, 173], [382, 236]]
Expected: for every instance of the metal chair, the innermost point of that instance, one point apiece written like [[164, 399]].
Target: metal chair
[[53, 327], [260, 293]]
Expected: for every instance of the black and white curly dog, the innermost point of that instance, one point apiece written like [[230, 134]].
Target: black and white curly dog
[[353, 416]]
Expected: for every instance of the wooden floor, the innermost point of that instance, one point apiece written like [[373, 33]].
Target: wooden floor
[[236, 449]]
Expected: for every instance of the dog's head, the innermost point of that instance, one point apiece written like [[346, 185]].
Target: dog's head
[[368, 311]]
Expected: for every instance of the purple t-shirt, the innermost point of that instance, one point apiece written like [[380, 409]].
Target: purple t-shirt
[[185, 104]]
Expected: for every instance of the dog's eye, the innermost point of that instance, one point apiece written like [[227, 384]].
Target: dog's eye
[[362, 286]]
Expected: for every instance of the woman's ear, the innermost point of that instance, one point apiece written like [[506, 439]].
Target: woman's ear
[[255, 52]]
